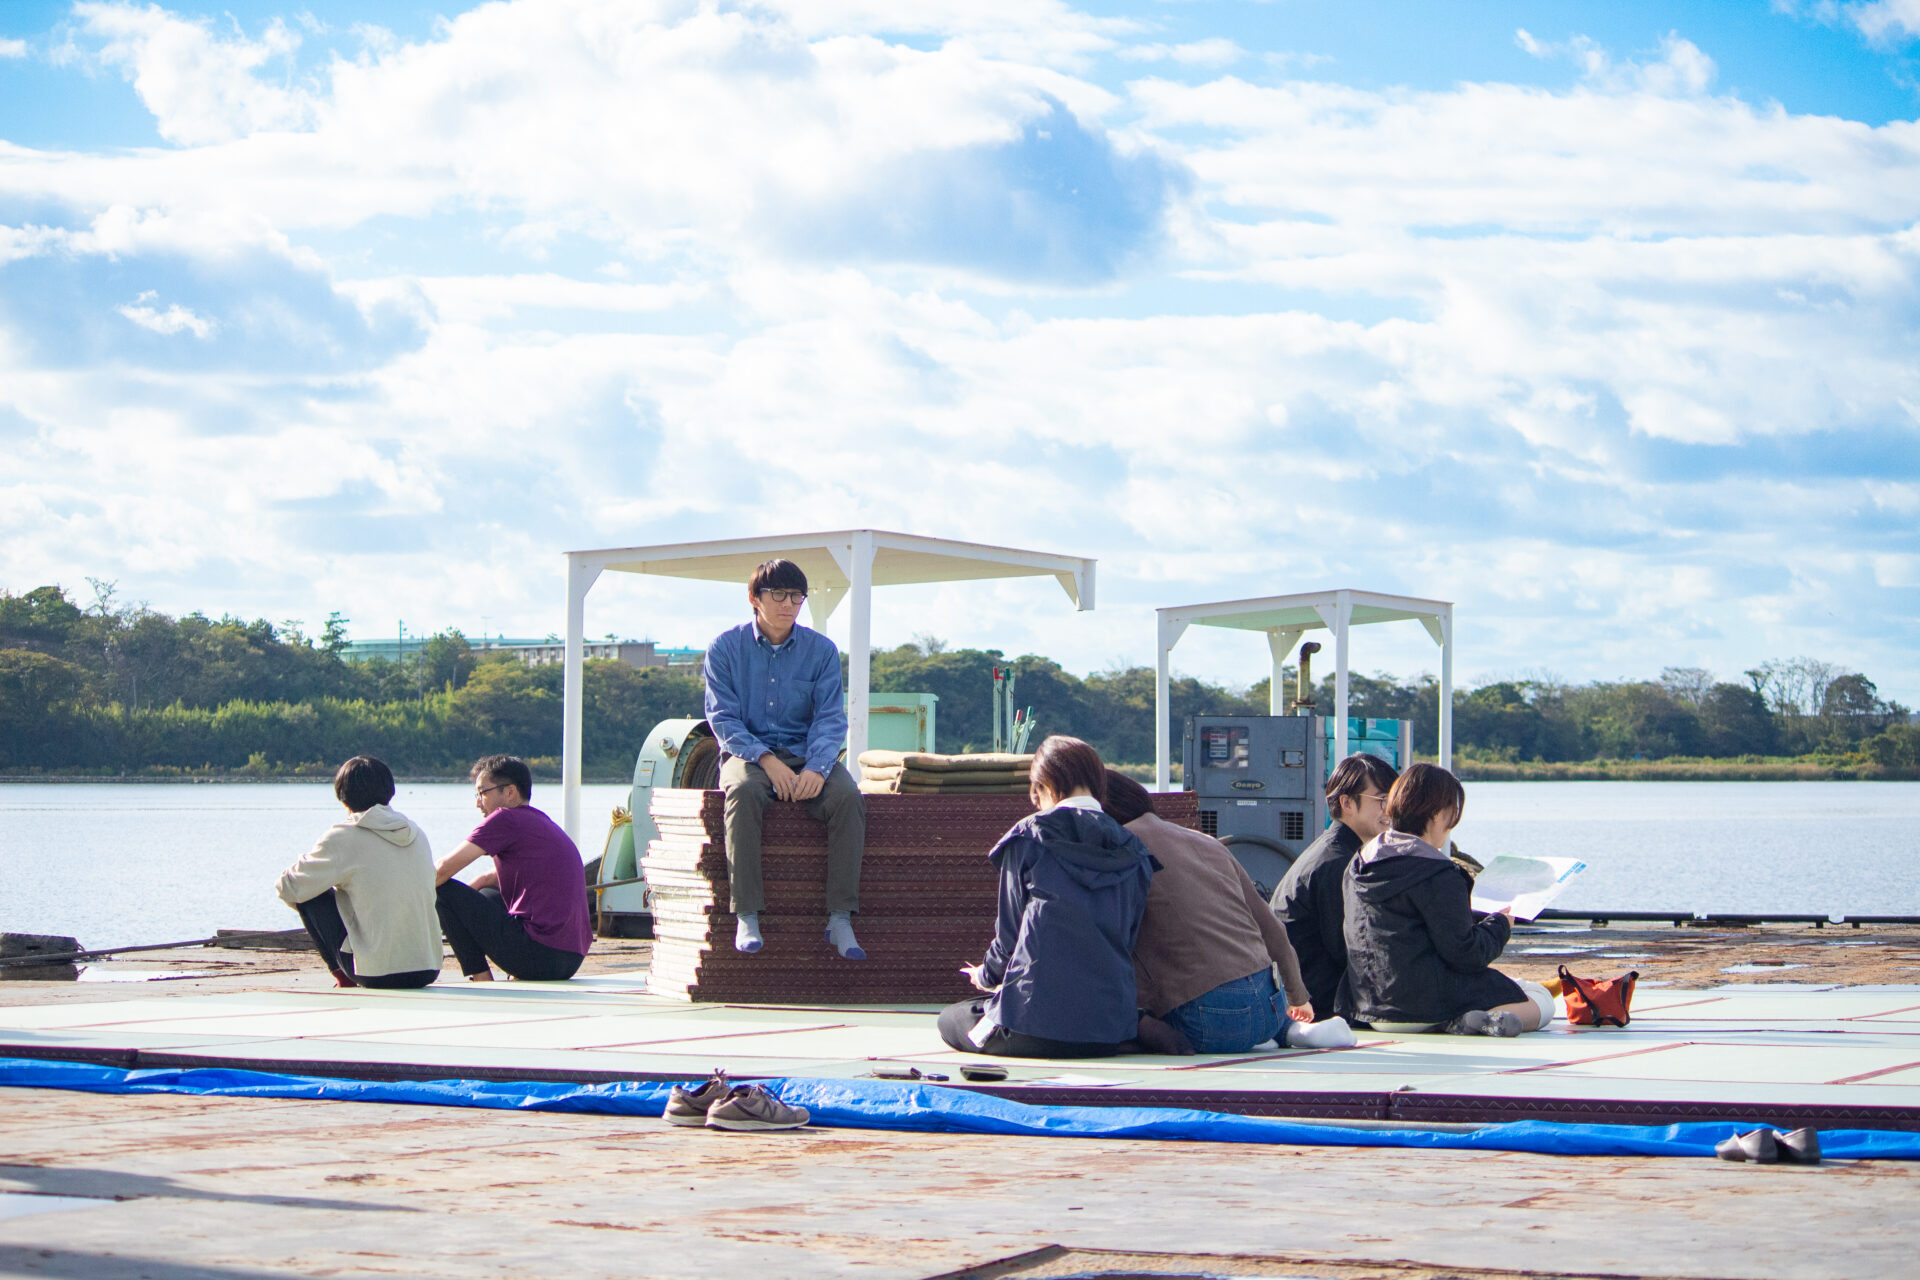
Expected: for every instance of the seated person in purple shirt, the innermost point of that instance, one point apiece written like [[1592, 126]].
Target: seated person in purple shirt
[[529, 914], [773, 701]]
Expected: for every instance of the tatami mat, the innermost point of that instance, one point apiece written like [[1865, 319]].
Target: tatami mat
[[1735, 1045]]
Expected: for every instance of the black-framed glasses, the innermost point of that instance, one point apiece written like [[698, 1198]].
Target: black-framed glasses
[[784, 597], [481, 791]]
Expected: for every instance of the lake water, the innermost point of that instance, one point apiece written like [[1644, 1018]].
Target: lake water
[[119, 864]]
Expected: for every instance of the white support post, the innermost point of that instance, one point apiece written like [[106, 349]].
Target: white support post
[[1343, 610], [860, 640], [580, 579], [1170, 631], [1446, 688], [1280, 642]]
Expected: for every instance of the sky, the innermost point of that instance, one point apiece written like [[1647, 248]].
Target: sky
[[1600, 321]]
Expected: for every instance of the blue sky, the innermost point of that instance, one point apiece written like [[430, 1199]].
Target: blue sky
[[1596, 319]]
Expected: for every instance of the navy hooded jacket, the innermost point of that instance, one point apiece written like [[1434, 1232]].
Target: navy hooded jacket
[[1073, 888]]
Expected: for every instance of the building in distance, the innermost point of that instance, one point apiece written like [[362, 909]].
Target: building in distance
[[535, 653]]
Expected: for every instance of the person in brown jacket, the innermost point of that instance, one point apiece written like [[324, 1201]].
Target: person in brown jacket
[[1204, 962]]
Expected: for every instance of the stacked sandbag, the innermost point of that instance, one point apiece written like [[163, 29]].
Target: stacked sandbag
[[923, 773], [927, 899]]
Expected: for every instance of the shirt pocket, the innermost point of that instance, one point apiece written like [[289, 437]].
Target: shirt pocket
[[796, 701]]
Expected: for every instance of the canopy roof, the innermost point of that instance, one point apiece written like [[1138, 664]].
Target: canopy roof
[[1307, 610], [899, 559], [842, 565], [1284, 619]]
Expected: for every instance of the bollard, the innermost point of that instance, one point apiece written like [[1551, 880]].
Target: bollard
[[14, 945]]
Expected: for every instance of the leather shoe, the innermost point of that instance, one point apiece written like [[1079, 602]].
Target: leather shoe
[[1802, 1146], [1758, 1147]]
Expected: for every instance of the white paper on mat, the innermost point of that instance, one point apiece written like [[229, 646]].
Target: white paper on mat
[[1527, 885], [1079, 1082]]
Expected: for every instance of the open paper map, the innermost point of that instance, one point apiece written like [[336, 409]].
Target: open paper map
[[1528, 885]]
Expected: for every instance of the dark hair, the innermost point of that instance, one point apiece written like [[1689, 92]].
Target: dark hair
[[1125, 799], [1064, 765], [778, 575], [1421, 794], [1352, 776], [362, 783], [501, 770]]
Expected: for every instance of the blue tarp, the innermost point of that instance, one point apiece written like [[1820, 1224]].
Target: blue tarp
[[880, 1104]]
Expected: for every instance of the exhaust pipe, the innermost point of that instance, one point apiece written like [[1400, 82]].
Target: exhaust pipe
[[1303, 690]]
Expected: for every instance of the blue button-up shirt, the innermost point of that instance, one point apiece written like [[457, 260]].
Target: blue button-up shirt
[[763, 697]]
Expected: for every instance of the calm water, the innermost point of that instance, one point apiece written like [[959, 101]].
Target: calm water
[[121, 864]]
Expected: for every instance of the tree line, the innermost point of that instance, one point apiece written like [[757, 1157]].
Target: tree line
[[109, 688]]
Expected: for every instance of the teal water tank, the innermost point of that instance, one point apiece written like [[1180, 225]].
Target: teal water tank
[[901, 721]]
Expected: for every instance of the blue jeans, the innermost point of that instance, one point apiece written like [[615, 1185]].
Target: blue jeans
[[1234, 1016]]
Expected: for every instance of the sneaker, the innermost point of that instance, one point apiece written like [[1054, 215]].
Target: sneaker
[[1480, 1022], [746, 934], [748, 1106], [690, 1106]]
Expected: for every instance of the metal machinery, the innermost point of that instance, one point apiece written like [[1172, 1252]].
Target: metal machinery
[[685, 754], [1262, 780], [677, 753]]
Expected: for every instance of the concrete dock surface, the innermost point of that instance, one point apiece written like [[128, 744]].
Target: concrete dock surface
[[171, 1187]]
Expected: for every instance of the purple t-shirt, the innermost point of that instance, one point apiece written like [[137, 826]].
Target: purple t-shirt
[[541, 879]]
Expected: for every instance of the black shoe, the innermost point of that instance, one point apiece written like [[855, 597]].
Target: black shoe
[[1802, 1146], [1758, 1147]]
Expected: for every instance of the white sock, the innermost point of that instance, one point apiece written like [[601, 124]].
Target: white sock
[[840, 934], [1329, 1033], [746, 933]]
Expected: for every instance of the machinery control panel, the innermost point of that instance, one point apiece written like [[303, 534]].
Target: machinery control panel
[[1261, 783], [1261, 780]]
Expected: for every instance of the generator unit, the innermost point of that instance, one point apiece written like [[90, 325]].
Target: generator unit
[[1261, 780]]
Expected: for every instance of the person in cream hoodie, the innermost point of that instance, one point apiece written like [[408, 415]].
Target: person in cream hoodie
[[365, 892]]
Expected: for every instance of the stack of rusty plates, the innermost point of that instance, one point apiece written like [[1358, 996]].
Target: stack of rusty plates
[[927, 900]]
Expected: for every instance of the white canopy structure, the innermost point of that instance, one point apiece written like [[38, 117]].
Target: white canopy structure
[[1285, 619], [839, 566]]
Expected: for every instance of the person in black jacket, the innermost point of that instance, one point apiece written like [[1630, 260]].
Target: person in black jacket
[[1309, 900], [1073, 888], [1417, 957]]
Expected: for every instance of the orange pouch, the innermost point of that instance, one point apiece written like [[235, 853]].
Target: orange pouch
[[1602, 1003]]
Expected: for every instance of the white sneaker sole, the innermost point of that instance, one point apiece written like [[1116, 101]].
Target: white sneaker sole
[[743, 1126], [692, 1121]]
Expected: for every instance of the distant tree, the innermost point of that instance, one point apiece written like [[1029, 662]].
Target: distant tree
[[1851, 695], [43, 620], [1689, 684], [38, 692], [333, 638], [445, 662], [1794, 686], [1737, 722]]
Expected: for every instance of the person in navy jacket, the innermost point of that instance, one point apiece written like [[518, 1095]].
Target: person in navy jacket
[[1073, 887]]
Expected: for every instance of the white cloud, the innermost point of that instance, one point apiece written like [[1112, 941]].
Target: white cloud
[[1886, 20], [13, 48], [1682, 67], [1621, 365], [1215, 52], [200, 88], [175, 319]]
